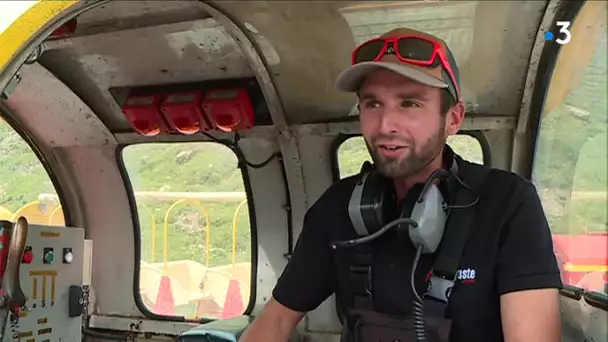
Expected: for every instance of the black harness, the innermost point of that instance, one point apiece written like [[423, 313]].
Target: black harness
[[354, 293]]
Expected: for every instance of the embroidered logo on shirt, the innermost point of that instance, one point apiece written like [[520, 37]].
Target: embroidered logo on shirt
[[466, 276]]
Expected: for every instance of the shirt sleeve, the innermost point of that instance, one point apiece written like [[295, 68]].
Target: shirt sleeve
[[526, 259], [305, 282]]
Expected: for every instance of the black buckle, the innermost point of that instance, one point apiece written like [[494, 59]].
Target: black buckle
[[369, 286], [442, 276], [367, 270]]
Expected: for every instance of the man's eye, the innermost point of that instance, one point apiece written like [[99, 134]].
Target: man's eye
[[409, 104], [371, 104]]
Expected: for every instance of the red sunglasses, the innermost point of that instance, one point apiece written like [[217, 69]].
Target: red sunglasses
[[416, 50]]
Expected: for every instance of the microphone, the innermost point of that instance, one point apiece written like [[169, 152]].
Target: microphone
[[374, 236]]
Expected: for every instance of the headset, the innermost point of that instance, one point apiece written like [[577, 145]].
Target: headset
[[373, 211]]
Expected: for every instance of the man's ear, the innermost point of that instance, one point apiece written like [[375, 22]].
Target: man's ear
[[454, 119]]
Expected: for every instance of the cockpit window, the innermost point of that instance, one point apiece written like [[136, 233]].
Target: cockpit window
[[194, 229], [25, 186], [570, 170]]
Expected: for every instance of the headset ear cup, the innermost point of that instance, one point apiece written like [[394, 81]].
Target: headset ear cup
[[378, 203]]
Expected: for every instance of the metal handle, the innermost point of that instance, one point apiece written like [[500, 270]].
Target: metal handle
[[13, 297]]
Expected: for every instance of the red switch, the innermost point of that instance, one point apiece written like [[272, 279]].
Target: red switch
[[229, 110], [144, 114], [183, 112], [28, 256]]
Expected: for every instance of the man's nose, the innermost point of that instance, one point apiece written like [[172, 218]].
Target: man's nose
[[388, 120]]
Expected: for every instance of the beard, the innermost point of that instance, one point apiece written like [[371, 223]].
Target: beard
[[413, 161]]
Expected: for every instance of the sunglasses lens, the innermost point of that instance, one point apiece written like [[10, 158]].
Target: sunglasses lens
[[415, 49], [369, 52]]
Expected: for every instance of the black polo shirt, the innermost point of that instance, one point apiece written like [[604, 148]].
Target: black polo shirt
[[509, 249]]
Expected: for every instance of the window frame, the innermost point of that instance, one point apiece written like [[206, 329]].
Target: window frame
[[138, 241], [568, 11], [546, 69], [341, 138], [25, 136]]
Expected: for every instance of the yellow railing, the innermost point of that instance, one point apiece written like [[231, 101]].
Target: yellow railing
[[234, 221], [166, 229], [47, 210], [153, 219]]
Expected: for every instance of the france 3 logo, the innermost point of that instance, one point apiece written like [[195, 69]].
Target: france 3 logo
[[564, 32]]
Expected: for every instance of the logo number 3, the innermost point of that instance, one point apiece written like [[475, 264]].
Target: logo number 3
[[564, 28]]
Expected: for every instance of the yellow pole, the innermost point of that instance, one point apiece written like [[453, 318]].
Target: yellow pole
[[207, 237], [234, 226], [153, 218], [166, 229], [53, 213]]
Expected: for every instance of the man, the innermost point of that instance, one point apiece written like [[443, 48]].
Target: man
[[409, 103]]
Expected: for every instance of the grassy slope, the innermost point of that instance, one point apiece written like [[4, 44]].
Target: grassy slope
[[210, 167]]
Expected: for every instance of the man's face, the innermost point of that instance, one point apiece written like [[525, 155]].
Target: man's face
[[402, 123]]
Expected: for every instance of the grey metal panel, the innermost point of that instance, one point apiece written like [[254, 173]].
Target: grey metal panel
[[121, 15], [305, 45], [172, 53], [59, 117], [316, 39]]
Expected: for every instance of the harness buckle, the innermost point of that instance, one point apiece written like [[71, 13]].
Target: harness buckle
[[439, 287], [368, 285], [364, 271], [433, 272]]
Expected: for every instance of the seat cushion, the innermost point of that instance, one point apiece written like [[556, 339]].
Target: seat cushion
[[227, 330]]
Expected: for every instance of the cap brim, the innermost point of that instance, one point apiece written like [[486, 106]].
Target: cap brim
[[350, 79]]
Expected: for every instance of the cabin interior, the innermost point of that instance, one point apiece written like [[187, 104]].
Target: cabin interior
[[188, 224]]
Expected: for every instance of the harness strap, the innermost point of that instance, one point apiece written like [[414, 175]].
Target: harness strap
[[354, 283], [459, 225], [360, 276], [458, 229]]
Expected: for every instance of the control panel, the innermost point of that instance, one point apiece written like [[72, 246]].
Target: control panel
[[50, 278]]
